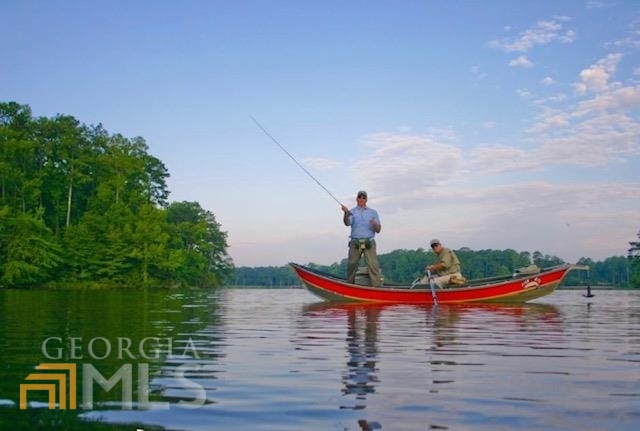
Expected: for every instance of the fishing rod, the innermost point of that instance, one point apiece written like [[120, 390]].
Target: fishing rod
[[293, 158]]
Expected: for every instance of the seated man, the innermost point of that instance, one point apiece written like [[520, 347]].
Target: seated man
[[447, 266]]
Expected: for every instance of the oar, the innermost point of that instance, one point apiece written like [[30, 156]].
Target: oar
[[433, 288]]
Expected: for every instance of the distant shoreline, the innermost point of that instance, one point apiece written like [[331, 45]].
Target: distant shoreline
[[597, 287]]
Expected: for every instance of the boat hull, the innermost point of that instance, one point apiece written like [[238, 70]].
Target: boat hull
[[512, 290]]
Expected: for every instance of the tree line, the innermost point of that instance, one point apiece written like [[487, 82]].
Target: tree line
[[404, 266], [79, 205]]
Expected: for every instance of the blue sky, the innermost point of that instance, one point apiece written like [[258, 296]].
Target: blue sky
[[490, 125]]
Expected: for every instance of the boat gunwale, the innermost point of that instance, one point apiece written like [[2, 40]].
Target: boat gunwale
[[470, 285]]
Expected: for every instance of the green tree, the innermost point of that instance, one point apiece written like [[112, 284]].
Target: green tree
[[18, 158], [67, 160], [150, 238], [29, 253], [203, 245], [401, 265], [128, 174], [633, 257], [101, 247], [100, 203]]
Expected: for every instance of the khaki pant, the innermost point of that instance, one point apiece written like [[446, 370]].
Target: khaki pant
[[371, 259], [441, 281]]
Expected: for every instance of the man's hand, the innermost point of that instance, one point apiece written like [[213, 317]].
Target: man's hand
[[374, 225]]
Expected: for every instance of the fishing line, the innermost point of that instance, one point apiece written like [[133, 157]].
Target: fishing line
[[293, 158]]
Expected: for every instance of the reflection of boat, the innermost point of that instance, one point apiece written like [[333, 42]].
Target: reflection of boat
[[443, 321], [512, 289], [396, 352], [445, 317], [529, 310]]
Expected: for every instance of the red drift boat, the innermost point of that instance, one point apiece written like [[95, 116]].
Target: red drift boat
[[518, 288]]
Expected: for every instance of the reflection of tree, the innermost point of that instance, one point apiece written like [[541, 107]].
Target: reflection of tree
[[360, 376], [134, 323]]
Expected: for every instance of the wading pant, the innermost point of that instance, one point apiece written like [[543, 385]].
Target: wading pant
[[371, 259]]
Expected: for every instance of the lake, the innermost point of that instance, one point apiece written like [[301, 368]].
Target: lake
[[249, 359]]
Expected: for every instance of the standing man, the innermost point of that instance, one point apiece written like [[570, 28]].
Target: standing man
[[447, 265], [365, 224]]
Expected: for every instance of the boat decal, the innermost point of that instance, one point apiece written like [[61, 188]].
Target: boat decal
[[531, 283]]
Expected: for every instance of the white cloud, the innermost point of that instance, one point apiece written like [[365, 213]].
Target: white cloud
[[398, 165], [524, 93], [599, 129], [632, 40], [568, 37], [594, 142], [595, 4], [551, 120], [521, 61], [596, 77], [501, 158], [620, 99], [547, 80], [554, 218], [542, 33], [556, 98]]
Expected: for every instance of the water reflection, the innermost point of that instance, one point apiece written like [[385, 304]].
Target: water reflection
[[268, 360], [360, 378], [424, 348], [140, 333], [198, 347]]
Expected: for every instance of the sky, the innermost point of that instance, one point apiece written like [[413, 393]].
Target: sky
[[486, 124]]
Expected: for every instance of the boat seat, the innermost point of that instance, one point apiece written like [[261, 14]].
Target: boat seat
[[528, 270]]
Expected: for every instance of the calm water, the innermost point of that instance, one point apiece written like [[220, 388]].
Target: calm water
[[279, 360]]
